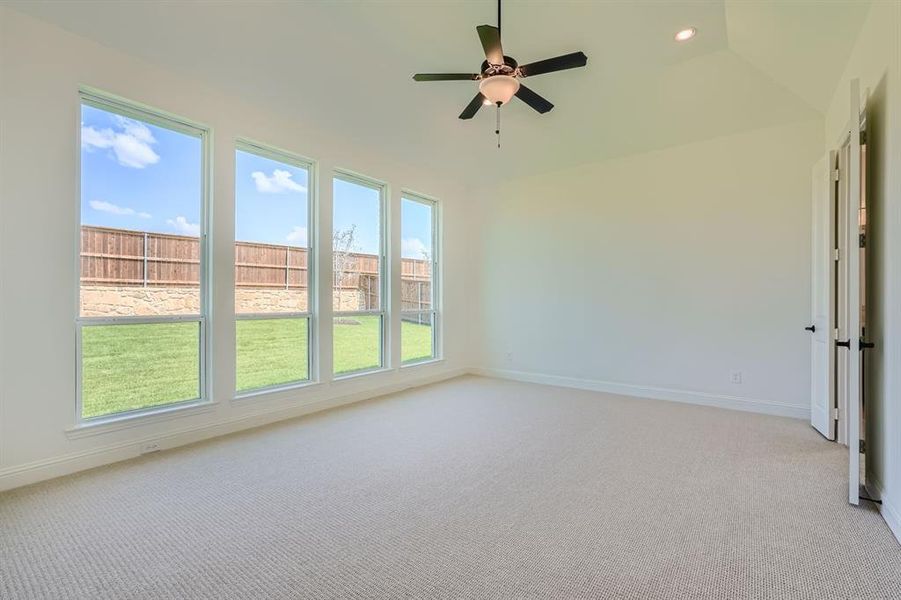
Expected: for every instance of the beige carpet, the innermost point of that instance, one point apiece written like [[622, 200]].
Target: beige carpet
[[473, 488]]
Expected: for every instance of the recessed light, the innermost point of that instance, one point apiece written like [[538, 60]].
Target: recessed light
[[686, 34]]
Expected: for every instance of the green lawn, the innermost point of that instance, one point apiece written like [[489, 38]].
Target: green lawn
[[356, 343], [129, 367], [270, 352]]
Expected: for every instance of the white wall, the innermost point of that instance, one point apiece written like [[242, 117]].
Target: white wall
[[659, 274], [876, 61], [41, 70]]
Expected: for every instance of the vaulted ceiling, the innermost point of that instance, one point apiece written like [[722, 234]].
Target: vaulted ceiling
[[348, 65]]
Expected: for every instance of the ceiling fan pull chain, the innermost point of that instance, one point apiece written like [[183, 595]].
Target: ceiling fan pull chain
[[498, 129]]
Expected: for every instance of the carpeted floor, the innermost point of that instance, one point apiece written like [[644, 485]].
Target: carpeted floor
[[472, 488]]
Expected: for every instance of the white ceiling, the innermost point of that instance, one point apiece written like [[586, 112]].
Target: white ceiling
[[349, 65]]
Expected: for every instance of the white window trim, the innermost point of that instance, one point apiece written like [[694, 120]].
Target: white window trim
[[437, 275], [384, 300], [128, 108], [311, 314]]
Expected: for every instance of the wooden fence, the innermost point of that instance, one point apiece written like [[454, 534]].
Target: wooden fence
[[122, 257]]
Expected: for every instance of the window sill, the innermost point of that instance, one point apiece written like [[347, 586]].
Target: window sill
[[258, 394], [119, 422], [355, 374], [420, 363]]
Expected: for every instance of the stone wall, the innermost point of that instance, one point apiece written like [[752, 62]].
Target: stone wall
[[269, 300], [117, 301]]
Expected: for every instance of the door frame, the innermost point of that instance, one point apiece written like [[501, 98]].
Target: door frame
[[848, 323]]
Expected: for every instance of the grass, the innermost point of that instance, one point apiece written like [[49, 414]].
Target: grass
[[270, 352], [130, 367], [356, 343], [127, 367]]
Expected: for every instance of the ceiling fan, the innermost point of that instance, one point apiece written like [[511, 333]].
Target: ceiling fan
[[499, 76]]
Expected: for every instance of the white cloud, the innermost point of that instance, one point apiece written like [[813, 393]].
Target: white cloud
[[115, 209], [298, 235], [413, 248], [278, 183], [130, 142], [182, 226]]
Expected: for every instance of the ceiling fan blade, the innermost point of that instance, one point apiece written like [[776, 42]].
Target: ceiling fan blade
[[491, 43], [533, 99], [559, 63], [473, 107], [445, 77]]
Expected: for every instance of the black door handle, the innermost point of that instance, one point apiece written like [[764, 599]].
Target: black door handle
[[811, 329], [845, 344], [864, 345]]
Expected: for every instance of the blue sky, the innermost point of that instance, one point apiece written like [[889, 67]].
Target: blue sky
[[135, 175], [139, 176], [416, 229], [357, 205], [270, 201]]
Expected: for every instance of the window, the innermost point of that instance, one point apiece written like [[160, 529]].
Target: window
[[142, 298], [358, 255], [418, 279], [273, 262]]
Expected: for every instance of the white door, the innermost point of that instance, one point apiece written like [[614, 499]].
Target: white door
[[854, 292], [822, 322]]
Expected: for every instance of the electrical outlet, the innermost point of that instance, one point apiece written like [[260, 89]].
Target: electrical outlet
[[735, 376], [148, 447], [508, 357]]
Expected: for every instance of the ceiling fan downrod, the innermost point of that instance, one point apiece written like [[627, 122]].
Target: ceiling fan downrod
[[497, 127]]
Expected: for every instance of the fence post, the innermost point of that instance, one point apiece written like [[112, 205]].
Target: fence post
[[146, 244], [287, 270]]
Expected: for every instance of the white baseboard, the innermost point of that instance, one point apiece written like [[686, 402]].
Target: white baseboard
[[67, 464], [890, 511], [768, 407]]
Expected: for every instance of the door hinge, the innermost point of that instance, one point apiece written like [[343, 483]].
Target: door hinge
[[835, 175], [835, 254], [835, 333], [862, 240], [835, 414]]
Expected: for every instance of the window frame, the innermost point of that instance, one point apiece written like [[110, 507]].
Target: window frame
[[135, 110], [311, 314], [384, 310], [435, 311]]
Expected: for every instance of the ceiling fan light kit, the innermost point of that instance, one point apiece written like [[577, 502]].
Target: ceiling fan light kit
[[499, 76], [499, 89]]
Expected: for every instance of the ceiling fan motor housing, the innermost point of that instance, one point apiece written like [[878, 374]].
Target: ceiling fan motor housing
[[508, 68]]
